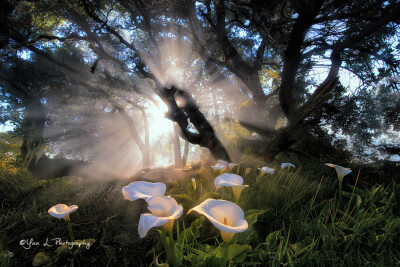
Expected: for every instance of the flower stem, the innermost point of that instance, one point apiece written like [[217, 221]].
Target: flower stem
[[226, 244], [340, 192], [169, 247], [165, 243], [172, 248], [71, 234]]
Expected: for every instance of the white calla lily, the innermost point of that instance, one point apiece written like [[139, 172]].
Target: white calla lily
[[341, 171], [62, 211], [144, 190], [287, 165], [219, 166], [224, 215], [222, 162], [231, 165], [164, 210], [233, 180], [267, 170], [228, 179]]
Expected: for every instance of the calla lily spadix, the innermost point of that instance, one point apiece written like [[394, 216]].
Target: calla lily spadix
[[225, 215], [267, 170], [287, 165], [194, 184], [164, 210], [233, 180], [144, 190], [341, 171], [62, 211]]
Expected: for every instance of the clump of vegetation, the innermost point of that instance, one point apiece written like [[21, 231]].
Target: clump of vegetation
[[289, 222]]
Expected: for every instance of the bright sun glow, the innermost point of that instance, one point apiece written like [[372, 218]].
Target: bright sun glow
[[158, 125], [160, 129]]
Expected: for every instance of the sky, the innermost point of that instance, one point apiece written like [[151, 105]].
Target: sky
[[6, 127]]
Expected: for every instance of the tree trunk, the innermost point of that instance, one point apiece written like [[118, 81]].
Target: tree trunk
[[132, 129], [205, 135], [177, 148], [216, 118], [146, 151], [185, 153]]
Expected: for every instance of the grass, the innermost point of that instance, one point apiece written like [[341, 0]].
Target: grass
[[293, 216]]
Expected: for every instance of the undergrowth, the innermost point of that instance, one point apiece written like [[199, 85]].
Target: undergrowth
[[294, 220]]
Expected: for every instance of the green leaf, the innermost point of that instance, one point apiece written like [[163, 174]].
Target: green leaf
[[41, 258], [184, 198], [251, 215], [215, 261], [89, 241], [238, 252], [272, 238], [62, 250], [250, 233], [213, 195], [159, 264], [191, 233]]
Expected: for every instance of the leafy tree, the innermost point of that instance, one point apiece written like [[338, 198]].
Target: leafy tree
[[259, 60]]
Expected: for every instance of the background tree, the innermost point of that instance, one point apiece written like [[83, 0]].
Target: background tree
[[277, 68]]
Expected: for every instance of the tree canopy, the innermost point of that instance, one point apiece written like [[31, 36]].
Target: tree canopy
[[301, 76]]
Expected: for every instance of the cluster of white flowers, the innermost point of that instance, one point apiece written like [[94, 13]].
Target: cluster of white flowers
[[164, 209], [227, 216]]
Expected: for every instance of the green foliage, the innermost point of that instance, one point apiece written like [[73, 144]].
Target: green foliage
[[290, 223], [276, 192], [10, 147]]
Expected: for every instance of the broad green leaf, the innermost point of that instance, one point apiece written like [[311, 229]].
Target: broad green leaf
[[62, 250], [41, 258], [272, 238], [189, 234], [238, 252]]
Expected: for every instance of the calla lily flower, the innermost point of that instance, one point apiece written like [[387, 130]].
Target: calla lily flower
[[164, 210], [341, 171], [248, 170], [267, 170], [226, 216], [219, 166], [194, 184], [144, 190], [231, 165], [62, 211], [287, 165], [233, 180], [222, 162]]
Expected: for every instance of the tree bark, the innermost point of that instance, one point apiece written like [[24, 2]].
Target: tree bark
[[185, 153], [190, 113], [216, 116], [146, 151], [177, 147]]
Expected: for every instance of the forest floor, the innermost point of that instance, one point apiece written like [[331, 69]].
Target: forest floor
[[294, 216]]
